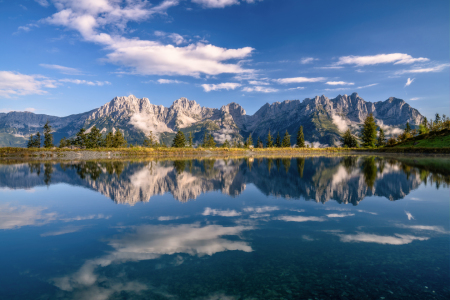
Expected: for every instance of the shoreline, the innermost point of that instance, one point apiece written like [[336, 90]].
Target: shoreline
[[23, 154]]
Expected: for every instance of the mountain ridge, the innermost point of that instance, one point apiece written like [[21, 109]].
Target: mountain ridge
[[324, 119]]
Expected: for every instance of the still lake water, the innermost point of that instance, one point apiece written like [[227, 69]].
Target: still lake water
[[302, 228]]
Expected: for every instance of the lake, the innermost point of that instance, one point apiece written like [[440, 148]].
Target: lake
[[321, 227]]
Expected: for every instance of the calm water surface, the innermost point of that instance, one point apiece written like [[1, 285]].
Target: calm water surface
[[302, 228]]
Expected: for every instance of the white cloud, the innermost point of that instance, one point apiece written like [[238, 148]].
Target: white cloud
[[409, 215], [397, 239], [13, 217], [342, 215], [259, 89], [30, 109], [340, 122], [413, 99], [409, 81], [17, 84], [437, 68], [79, 81], [221, 86], [42, 2], [339, 83], [296, 88], [168, 81], [223, 213], [169, 218], [366, 86], [395, 58], [64, 230], [176, 38], [258, 82], [299, 80], [438, 229], [62, 69], [143, 57], [261, 209], [216, 3], [300, 219], [307, 60]]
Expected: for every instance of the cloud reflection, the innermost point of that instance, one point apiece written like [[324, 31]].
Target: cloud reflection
[[13, 217], [397, 239]]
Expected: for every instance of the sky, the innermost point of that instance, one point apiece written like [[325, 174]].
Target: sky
[[62, 57]]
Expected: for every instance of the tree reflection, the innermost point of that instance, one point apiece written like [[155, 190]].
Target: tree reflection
[[370, 171], [300, 166]]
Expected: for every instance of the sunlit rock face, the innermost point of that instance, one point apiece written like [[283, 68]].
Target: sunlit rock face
[[323, 119], [320, 179]]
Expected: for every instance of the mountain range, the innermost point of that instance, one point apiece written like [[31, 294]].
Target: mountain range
[[324, 120]]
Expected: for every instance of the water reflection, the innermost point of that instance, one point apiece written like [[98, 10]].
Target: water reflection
[[344, 179]]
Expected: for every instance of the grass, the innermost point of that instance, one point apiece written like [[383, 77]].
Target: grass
[[438, 139]]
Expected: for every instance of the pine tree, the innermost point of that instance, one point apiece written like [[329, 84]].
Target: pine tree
[[226, 144], [381, 138], [249, 140], [30, 143], [150, 140], [94, 138], [269, 143], [278, 140], [48, 137], [205, 140], [286, 143], [179, 141], [191, 140], [109, 140], [80, 139], [64, 142], [258, 143], [210, 142], [349, 140], [369, 132], [407, 128], [37, 141], [118, 140], [300, 138]]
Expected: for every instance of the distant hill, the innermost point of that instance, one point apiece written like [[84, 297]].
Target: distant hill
[[323, 119]]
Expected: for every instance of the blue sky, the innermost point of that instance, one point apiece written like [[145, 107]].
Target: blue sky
[[62, 57]]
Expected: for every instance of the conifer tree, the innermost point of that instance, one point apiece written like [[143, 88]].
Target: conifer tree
[[269, 142], [151, 141], [37, 140], [30, 142], [94, 138], [109, 139], [179, 141], [48, 137], [258, 143], [286, 140], [407, 128], [64, 142], [118, 140], [278, 140], [80, 139], [191, 140], [205, 140], [210, 142], [369, 131], [381, 138], [300, 138], [249, 140], [226, 144], [349, 140]]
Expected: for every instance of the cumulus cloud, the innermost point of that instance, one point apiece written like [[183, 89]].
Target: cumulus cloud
[[437, 68], [395, 58], [223, 213], [258, 82], [307, 60], [299, 80], [87, 82], [167, 81], [17, 84], [409, 81], [221, 86], [42, 2], [342, 215], [340, 122], [339, 83], [143, 57], [216, 3], [409, 215], [397, 239], [259, 89], [62, 69], [300, 219]]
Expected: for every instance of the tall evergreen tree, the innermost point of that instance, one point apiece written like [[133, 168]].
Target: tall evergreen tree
[[226, 144], [191, 140], [179, 141], [37, 140], [109, 140], [269, 142], [30, 142], [94, 138], [249, 140], [407, 128], [150, 140], [118, 140], [286, 140], [48, 137], [210, 142], [64, 142], [349, 140], [80, 139], [258, 143], [300, 138], [381, 138], [205, 140], [369, 131], [278, 140]]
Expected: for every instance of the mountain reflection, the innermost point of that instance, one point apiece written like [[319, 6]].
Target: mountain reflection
[[345, 179]]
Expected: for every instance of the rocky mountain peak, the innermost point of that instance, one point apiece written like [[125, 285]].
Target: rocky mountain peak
[[184, 104], [234, 109]]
